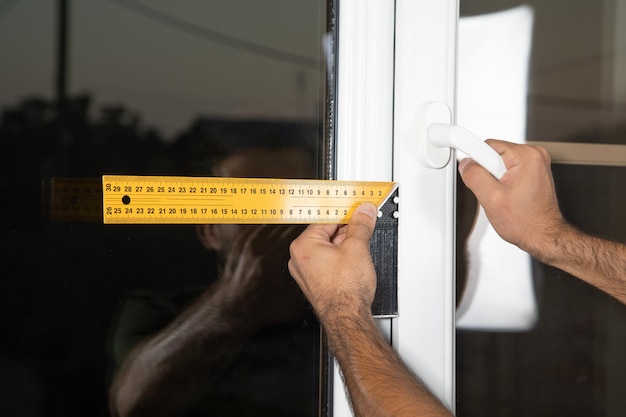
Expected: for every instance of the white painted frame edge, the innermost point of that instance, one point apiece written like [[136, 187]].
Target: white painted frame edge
[[425, 71], [377, 97], [364, 119]]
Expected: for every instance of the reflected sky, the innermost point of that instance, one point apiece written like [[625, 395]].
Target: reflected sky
[[160, 58]]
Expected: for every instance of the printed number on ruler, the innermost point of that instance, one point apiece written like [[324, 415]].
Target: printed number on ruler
[[197, 200]]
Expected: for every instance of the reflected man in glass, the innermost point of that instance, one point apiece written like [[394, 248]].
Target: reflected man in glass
[[246, 344]]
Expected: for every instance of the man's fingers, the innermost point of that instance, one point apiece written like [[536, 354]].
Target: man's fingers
[[319, 231], [360, 227], [362, 222], [477, 178], [500, 146]]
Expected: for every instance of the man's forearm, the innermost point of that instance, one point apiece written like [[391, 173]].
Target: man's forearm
[[599, 262], [379, 383]]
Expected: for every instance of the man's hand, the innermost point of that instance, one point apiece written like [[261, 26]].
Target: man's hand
[[333, 267], [522, 206]]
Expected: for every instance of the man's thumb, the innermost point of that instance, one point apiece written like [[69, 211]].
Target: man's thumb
[[363, 222]]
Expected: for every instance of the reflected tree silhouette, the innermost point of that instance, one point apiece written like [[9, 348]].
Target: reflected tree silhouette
[[64, 280]]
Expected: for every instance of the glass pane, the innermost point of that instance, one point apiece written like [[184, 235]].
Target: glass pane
[[537, 341], [190, 320]]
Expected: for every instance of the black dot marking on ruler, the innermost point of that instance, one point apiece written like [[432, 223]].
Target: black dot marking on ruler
[[126, 199]]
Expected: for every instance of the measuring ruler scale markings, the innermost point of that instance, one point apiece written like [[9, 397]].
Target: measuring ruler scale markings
[[197, 200]]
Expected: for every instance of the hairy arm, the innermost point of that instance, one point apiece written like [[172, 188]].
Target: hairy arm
[[333, 267], [523, 209], [378, 381], [599, 262]]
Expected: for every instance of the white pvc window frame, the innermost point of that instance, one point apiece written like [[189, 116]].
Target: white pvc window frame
[[394, 56], [364, 118]]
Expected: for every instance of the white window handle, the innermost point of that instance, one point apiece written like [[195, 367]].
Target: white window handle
[[457, 137], [438, 136]]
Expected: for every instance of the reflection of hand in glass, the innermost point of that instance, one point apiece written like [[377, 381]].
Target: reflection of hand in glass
[[165, 373], [256, 279], [178, 360]]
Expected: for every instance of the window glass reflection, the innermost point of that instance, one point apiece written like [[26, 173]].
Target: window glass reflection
[[566, 361], [160, 320], [246, 344], [492, 101]]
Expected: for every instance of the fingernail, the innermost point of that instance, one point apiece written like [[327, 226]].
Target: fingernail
[[463, 164], [368, 208]]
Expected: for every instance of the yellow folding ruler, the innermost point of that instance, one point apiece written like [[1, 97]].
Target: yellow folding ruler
[[197, 200]]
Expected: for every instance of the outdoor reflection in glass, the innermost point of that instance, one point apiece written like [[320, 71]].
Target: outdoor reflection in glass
[[555, 345], [93, 314], [244, 344]]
